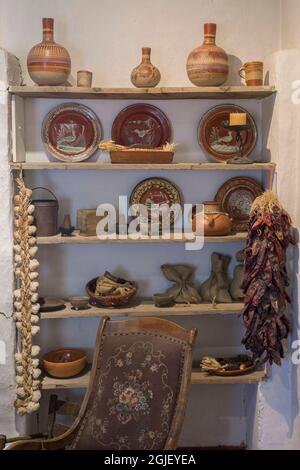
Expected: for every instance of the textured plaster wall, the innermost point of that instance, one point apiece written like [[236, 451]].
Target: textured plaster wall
[[274, 421], [9, 74], [106, 37]]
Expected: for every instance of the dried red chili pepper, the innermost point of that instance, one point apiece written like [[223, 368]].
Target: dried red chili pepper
[[266, 279]]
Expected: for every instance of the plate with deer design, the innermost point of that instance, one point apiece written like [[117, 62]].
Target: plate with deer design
[[220, 143], [141, 125]]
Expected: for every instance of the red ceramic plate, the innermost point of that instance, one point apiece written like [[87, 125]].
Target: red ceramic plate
[[236, 197], [220, 143], [141, 125], [154, 191], [71, 132]]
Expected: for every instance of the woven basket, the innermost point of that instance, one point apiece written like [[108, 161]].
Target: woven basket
[[109, 300]]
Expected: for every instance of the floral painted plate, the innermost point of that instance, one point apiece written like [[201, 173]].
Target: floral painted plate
[[141, 125], [157, 191], [71, 132], [236, 197], [220, 143]]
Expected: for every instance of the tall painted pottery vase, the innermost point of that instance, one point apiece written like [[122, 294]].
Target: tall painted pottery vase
[[145, 75], [207, 65], [48, 63]]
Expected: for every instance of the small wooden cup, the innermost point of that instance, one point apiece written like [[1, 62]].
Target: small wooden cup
[[252, 73]]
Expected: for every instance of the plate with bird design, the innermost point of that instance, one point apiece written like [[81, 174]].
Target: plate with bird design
[[220, 143], [142, 126], [71, 132]]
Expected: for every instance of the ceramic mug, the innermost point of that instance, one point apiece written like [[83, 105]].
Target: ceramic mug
[[252, 73], [84, 78]]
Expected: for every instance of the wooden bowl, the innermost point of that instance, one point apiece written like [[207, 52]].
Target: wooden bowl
[[64, 363], [109, 300]]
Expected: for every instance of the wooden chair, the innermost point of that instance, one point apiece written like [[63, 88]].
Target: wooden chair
[[137, 392]]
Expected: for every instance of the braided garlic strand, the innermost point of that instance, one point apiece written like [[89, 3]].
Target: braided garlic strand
[[26, 306]]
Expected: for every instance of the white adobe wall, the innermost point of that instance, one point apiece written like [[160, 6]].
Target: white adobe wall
[[106, 37], [10, 73], [275, 415]]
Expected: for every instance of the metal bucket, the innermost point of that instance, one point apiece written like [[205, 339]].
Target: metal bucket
[[46, 214]]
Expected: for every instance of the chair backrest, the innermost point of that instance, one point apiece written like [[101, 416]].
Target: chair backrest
[[138, 388]]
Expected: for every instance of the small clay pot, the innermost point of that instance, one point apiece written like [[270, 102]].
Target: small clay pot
[[145, 75], [79, 302], [64, 363], [216, 222]]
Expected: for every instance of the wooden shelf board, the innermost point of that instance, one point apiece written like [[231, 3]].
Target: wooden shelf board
[[160, 93], [94, 240], [198, 378], [143, 308], [144, 166]]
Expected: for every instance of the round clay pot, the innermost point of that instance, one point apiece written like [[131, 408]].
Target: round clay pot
[[48, 63], [145, 75], [216, 222], [64, 363], [207, 65]]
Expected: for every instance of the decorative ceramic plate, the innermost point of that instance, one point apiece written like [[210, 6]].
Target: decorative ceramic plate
[[220, 143], [156, 191], [51, 304], [234, 373], [71, 132], [141, 125], [236, 197]]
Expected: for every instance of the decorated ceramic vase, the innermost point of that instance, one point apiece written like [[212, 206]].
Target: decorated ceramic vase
[[207, 65], [48, 63], [145, 75]]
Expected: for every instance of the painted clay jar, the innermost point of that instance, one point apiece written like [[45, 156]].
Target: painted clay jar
[[216, 222], [145, 75], [48, 63], [207, 65]]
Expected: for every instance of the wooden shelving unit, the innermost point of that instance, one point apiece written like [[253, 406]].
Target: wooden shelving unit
[[94, 240], [160, 93], [142, 308], [154, 167], [197, 378]]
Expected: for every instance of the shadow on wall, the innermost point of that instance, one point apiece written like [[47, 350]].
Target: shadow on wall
[[295, 332], [279, 392], [234, 66], [267, 116]]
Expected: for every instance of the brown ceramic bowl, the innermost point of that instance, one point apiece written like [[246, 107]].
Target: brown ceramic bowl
[[64, 363]]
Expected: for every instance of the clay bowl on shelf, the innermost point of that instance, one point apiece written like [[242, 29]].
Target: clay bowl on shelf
[[64, 363], [110, 300], [79, 302]]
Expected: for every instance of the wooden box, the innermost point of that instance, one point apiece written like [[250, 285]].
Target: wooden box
[[87, 221], [140, 156]]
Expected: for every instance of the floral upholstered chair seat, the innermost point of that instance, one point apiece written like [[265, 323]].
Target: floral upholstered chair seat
[[134, 394]]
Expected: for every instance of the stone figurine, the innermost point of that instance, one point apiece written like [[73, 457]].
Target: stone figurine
[[216, 288], [183, 292], [238, 276]]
